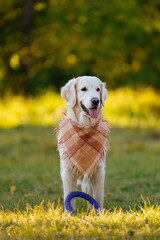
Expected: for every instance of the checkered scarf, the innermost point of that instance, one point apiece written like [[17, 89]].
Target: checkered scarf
[[83, 147]]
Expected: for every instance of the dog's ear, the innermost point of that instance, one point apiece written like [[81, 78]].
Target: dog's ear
[[104, 93], [68, 92]]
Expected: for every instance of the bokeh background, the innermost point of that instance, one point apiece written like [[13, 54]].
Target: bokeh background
[[44, 43]]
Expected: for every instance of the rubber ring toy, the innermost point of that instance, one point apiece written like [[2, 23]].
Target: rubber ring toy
[[81, 195]]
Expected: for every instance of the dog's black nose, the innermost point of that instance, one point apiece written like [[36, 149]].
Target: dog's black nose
[[95, 102]]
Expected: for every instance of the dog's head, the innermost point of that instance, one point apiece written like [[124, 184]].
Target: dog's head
[[89, 93]]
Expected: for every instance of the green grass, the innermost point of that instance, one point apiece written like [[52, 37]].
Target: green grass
[[29, 174]]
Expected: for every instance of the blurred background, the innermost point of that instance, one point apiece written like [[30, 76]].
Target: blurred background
[[44, 43]]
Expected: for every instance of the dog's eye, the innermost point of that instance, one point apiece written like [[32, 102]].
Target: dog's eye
[[98, 89], [84, 89]]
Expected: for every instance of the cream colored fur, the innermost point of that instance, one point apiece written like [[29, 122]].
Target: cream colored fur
[[73, 94]]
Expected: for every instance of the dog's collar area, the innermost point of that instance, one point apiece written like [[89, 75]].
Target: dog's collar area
[[82, 162]]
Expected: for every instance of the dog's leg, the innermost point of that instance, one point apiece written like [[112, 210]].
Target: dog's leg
[[87, 188], [98, 185], [69, 184]]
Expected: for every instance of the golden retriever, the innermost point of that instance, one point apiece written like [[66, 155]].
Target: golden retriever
[[85, 97]]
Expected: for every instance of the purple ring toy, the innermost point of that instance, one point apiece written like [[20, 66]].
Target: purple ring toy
[[81, 195]]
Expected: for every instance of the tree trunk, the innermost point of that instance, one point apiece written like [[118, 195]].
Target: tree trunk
[[27, 28]]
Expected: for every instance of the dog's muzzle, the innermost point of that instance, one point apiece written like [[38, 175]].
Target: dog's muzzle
[[92, 112], [94, 102]]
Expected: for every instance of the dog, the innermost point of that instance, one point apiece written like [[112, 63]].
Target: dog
[[85, 97]]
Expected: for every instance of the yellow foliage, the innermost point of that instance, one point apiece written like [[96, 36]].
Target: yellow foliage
[[14, 61], [125, 107], [71, 59]]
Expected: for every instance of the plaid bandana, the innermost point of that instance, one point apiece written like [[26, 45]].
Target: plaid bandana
[[83, 147]]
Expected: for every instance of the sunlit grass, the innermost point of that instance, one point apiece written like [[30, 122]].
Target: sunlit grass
[[54, 223], [124, 107], [30, 174]]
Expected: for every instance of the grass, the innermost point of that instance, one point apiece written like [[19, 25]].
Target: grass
[[31, 189], [31, 195], [51, 223]]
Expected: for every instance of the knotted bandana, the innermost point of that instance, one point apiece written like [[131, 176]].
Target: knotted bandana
[[83, 147]]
